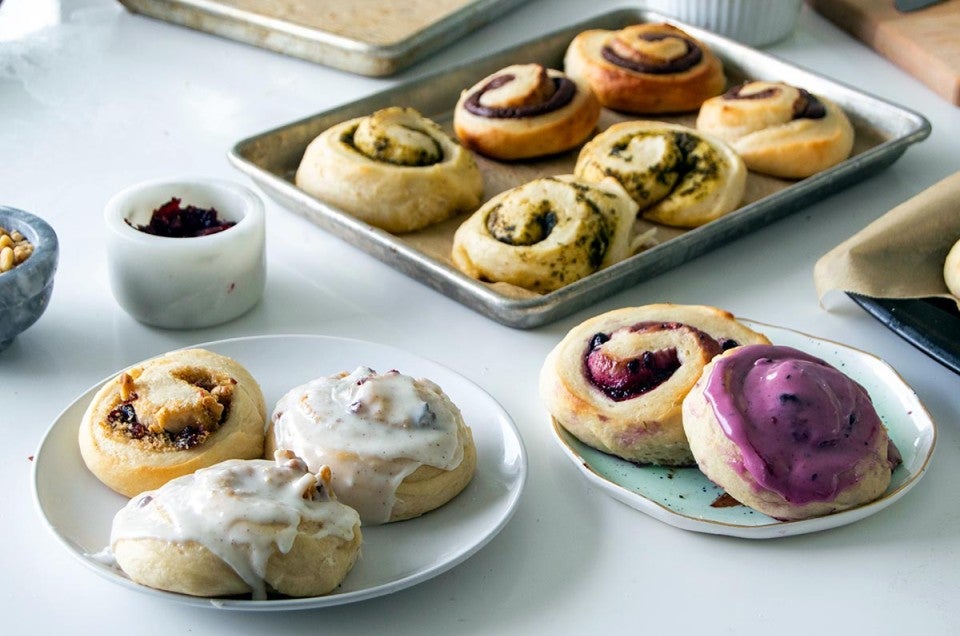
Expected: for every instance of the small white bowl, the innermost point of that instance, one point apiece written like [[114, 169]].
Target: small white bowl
[[184, 283], [753, 22]]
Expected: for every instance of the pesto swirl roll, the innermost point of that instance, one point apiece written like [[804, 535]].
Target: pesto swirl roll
[[547, 233], [395, 169], [677, 175]]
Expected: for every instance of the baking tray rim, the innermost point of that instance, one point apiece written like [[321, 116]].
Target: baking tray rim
[[534, 311]]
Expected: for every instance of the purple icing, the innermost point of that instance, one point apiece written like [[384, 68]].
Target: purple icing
[[800, 424]]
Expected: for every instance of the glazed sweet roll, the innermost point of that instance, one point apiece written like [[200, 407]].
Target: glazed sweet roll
[[169, 416], [394, 169], [524, 111], [616, 381], [677, 175], [778, 129], [547, 233], [646, 68], [787, 434], [241, 526], [398, 446]]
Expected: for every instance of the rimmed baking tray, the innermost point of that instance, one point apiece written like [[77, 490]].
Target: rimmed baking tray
[[368, 37], [883, 132]]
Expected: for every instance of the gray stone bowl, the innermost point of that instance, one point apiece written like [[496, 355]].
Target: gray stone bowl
[[25, 290]]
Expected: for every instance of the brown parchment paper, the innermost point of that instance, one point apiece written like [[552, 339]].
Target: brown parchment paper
[[901, 254]]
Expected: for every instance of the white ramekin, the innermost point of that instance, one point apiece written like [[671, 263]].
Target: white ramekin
[[753, 22], [183, 283]]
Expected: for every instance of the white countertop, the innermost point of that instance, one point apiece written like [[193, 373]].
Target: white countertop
[[97, 98]]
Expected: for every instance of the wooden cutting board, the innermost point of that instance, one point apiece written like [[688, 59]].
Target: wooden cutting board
[[925, 43]]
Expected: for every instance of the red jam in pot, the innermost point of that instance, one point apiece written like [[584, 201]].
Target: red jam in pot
[[174, 221]]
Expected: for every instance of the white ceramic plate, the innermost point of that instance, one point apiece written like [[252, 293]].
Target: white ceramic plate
[[685, 498], [79, 509]]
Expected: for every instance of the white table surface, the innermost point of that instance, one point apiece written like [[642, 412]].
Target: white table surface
[[93, 98]]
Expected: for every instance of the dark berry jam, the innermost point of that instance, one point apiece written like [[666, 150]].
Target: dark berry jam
[[173, 221]]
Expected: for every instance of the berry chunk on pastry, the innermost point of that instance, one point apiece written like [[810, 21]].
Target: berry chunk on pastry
[[169, 416], [677, 175], [778, 129], [787, 434], [617, 381], [398, 446], [646, 68], [547, 233], [394, 169], [524, 111], [239, 527]]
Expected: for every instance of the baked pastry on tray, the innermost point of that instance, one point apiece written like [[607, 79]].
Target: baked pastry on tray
[[677, 175], [778, 129], [645, 68], [525, 111], [547, 233], [617, 381], [394, 169], [170, 415], [951, 270], [787, 434], [398, 446], [238, 527]]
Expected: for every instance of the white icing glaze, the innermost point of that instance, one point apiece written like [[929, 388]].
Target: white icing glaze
[[373, 430], [241, 510]]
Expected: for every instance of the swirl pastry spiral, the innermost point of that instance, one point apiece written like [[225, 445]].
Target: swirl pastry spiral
[[524, 111], [617, 381], [169, 416], [787, 434], [547, 233], [394, 169], [778, 129], [645, 68], [678, 176]]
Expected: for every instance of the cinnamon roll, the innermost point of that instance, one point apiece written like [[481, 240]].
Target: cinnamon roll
[[951, 270], [645, 68], [395, 169], [678, 176], [617, 381], [546, 233], [169, 416], [525, 111], [778, 129], [398, 446], [239, 527], [786, 434]]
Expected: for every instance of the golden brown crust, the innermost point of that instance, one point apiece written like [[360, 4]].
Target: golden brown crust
[[760, 121], [178, 436], [646, 427], [524, 137], [631, 91]]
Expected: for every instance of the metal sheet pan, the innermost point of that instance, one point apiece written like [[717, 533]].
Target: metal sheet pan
[[368, 37], [932, 325], [883, 130]]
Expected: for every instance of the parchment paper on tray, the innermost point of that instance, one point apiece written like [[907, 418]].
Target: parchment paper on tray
[[901, 254]]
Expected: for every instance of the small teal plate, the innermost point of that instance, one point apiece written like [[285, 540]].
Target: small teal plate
[[685, 498]]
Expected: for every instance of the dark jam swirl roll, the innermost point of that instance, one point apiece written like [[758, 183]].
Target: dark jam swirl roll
[[394, 169], [616, 381], [646, 68], [787, 434], [169, 416], [525, 111], [779, 129], [546, 233]]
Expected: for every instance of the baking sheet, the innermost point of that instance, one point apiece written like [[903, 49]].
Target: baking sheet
[[932, 325], [368, 37], [883, 132]]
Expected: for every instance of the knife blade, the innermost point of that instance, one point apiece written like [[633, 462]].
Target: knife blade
[[905, 6]]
